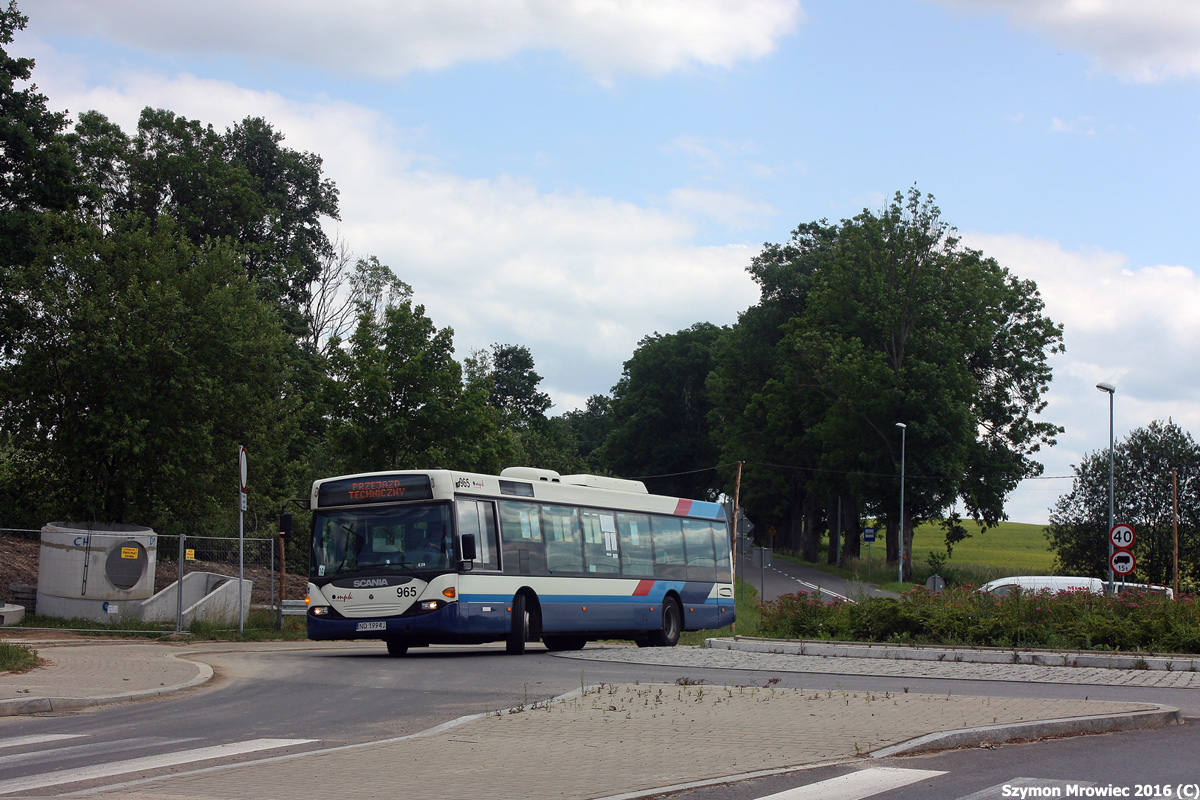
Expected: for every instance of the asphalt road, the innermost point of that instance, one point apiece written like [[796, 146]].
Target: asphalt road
[[360, 694], [787, 577]]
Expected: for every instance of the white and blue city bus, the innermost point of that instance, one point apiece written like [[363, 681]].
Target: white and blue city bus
[[442, 557]]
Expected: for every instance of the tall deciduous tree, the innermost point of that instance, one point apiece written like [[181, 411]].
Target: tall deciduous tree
[[398, 400], [147, 359], [905, 325], [884, 319], [660, 410], [37, 173], [1143, 460]]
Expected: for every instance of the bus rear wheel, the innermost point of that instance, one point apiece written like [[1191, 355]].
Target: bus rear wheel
[[668, 633]]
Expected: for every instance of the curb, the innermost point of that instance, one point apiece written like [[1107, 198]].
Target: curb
[[45, 705], [975, 655], [1159, 717]]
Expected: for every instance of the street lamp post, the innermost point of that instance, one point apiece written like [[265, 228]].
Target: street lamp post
[[1110, 390], [903, 433]]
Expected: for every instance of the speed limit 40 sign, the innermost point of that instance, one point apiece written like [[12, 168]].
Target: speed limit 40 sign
[[1122, 537]]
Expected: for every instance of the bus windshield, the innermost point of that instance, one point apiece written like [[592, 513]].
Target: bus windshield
[[381, 540]]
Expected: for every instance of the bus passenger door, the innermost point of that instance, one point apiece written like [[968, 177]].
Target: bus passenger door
[[478, 518]]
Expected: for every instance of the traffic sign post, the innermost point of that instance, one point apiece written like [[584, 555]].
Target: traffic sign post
[[1120, 560], [242, 475], [869, 538]]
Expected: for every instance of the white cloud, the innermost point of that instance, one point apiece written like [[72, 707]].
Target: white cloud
[[729, 209], [387, 39], [1143, 41], [577, 278], [1135, 327], [1080, 125]]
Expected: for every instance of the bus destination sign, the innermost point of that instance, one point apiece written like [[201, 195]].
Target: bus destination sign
[[377, 489]]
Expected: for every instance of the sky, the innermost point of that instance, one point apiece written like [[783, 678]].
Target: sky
[[574, 175]]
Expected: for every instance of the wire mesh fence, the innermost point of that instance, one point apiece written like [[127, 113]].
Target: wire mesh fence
[[93, 575]]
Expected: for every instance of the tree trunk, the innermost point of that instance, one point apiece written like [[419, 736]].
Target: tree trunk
[[851, 529], [810, 540], [893, 540], [835, 530]]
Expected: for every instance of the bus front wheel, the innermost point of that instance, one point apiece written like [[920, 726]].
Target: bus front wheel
[[396, 648], [518, 634]]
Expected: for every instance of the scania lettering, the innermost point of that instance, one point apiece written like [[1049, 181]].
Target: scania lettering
[[441, 557]]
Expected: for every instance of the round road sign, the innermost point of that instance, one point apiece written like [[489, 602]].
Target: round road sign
[[1122, 562], [1122, 537], [242, 469]]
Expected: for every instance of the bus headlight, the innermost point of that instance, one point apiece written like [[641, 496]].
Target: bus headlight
[[430, 605], [320, 611]]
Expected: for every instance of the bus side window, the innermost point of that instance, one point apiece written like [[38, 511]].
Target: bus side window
[[478, 518], [564, 542], [521, 531], [722, 543], [600, 542], [669, 561], [698, 538], [637, 546]]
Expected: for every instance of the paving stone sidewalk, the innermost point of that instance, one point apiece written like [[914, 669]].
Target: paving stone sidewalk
[[630, 740]]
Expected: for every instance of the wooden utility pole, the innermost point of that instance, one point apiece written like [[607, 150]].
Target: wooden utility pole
[[1175, 522], [737, 491]]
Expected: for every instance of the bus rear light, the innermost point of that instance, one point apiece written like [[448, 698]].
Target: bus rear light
[[451, 592]]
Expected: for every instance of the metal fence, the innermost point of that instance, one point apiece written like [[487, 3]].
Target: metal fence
[[134, 579]]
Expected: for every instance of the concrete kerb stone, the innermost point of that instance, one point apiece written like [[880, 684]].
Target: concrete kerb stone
[[975, 655], [42, 705], [1160, 717]]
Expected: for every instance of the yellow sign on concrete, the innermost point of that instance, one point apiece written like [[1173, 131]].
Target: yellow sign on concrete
[[129, 552]]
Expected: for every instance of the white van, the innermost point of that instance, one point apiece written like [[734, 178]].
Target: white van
[[1059, 583], [1043, 583]]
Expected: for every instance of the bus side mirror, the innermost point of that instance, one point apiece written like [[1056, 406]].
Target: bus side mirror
[[285, 524], [468, 547]]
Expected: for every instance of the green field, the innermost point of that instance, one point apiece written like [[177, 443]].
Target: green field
[[1017, 547], [1013, 548]]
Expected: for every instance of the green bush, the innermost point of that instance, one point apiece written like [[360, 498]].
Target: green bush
[[1147, 622]]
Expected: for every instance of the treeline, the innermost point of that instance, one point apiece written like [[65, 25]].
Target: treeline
[[170, 293]]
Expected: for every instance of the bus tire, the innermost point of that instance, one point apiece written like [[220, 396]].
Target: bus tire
[[562, 643], [395, 648], [518, 633], [672, 624]]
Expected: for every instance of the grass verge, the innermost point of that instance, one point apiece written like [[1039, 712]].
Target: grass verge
[[16, 657]]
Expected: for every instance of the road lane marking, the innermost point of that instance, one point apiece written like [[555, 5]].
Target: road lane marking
[[93, 748], [856, 785], [22, 741], [144, 764]]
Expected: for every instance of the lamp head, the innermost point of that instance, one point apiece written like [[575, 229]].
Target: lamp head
[[901, 425], [1106, 387]]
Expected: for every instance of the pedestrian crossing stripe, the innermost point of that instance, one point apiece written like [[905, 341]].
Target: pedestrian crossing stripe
[[856, 785], [143, 764]]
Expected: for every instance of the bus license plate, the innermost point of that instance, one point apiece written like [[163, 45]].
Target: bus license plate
[[371, 626]]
